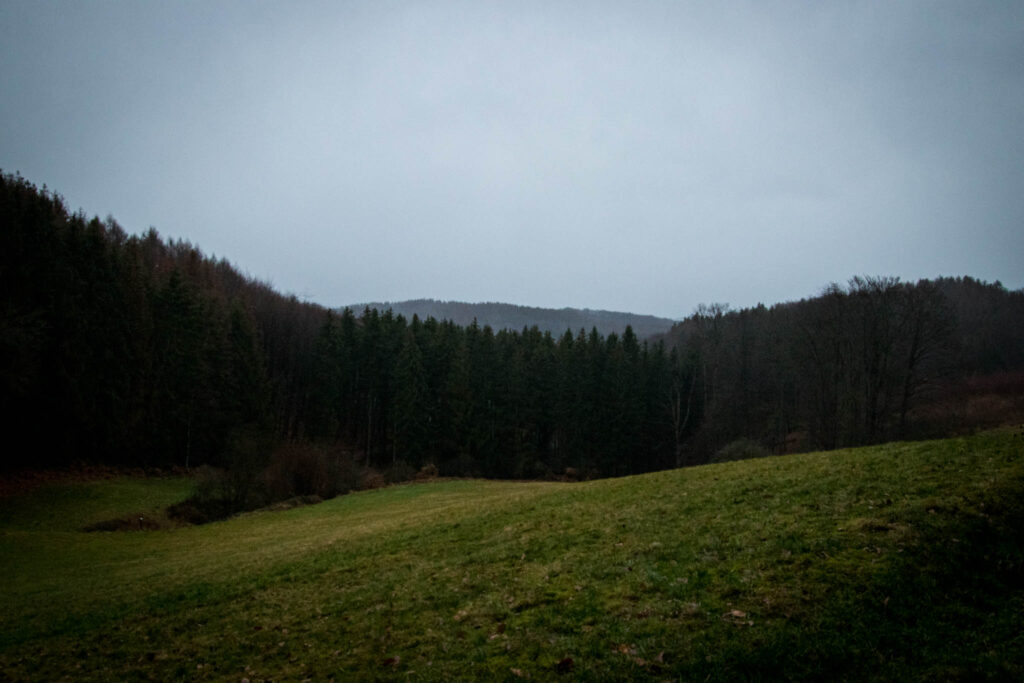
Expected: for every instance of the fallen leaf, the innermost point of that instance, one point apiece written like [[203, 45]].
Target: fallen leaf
[[392, 661], [564, 666]]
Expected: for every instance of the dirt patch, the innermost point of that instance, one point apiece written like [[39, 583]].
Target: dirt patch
[[129, 523], [297, 501], [195, 511]]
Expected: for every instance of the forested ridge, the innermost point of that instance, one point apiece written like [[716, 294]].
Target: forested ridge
[[134, 350], [873, 361], [502, 316]]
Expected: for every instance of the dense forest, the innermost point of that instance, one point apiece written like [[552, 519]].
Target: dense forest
[[134, 350], [501, 316], [873, 361]]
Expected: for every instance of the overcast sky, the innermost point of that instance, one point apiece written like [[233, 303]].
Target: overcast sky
[[634, 156]]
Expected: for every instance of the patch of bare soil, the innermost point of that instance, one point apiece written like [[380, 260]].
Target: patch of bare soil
[[130, 523]]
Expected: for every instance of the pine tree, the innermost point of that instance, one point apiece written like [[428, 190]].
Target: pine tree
[[411, 429]]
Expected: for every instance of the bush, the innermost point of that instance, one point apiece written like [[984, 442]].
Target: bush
[[741, 449], [296, 473], [304, 469], [428, 471], [297, 469], [246, 454], [345, 474], [209, 483], [371, 479], [211, 501], [400, 471]]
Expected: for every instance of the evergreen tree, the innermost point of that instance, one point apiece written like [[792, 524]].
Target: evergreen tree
[[458, 401], [179, 382], [411, 428]]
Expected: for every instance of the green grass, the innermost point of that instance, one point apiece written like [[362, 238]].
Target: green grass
[[73, 506], [903, 561]]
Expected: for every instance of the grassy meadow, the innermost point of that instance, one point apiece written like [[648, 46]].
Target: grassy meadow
[[897, 562]]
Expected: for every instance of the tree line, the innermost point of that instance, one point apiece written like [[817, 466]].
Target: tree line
[[876, 360], [135, 350]]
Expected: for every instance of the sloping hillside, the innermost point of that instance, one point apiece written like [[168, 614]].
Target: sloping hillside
[[897, 562], [509, 316]]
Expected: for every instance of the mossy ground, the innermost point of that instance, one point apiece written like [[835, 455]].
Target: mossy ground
[[903, 561]]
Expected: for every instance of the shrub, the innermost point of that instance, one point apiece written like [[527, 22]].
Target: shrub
[[303, 469], [400, 471], [211, 501], [345, 474], [741, 449], [297, 473], [428, 471], [296, 469], [371, 479], [246, 454], [209, 483]]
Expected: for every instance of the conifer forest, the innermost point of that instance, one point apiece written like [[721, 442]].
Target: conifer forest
[[133, 350]]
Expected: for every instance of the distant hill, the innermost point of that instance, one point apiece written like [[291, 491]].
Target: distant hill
[[509, 316]]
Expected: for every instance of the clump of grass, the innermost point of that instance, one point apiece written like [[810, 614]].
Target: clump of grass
[[901, 561]]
